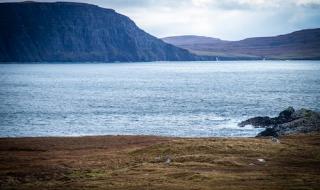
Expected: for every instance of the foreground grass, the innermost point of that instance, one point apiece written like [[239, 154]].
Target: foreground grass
[[160, 163]]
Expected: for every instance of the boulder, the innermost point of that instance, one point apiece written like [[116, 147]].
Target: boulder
[[268, 132], [257, 122], [285, 115]]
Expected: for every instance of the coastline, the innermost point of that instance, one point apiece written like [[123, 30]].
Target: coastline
[[153, 162]]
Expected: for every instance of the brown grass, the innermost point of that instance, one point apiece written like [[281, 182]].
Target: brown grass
[[124, 162]]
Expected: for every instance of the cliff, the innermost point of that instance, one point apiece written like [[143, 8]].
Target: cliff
[[77, 32]]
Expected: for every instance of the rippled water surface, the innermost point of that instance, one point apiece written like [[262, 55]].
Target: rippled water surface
[[196, 99]]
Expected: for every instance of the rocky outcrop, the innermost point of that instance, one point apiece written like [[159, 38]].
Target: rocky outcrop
[[77, 32], [289, 121]]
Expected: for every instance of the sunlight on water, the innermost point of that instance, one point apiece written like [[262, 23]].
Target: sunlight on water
[[193, 99]]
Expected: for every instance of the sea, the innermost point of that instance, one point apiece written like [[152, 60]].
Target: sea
[[180, 99]]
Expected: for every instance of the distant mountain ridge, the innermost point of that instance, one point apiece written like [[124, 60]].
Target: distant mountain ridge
[[77, 32], [190, 40], [303, 44]]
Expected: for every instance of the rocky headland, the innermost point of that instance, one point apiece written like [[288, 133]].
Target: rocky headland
[[289, 121], [77, 32]]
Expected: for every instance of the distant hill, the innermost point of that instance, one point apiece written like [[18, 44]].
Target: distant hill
[[190, 40], [304, 44], [63, 31]]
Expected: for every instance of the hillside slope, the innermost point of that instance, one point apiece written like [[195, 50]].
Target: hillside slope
[[77, 32], [304, 44]]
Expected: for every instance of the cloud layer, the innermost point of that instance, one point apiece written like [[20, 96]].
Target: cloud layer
[[227, 19]]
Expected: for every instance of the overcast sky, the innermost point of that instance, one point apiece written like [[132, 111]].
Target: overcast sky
[[225, 19]]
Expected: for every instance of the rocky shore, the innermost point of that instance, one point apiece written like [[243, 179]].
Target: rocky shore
[[289, 121], [147, 162]]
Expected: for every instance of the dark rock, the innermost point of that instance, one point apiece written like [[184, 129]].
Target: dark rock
[[268, 132], [303, 113], [285, 115], [77, 32], [288, 122], [257, 122]]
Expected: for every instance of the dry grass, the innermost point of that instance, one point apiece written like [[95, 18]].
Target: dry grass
[[140, 163]]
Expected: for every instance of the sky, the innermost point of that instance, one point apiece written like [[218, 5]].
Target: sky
[[224, 19]]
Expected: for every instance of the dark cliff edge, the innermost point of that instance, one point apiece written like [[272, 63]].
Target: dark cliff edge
[[77, 32], [289, 121]]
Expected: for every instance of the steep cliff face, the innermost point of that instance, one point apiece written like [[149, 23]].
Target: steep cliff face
[[51, 32]]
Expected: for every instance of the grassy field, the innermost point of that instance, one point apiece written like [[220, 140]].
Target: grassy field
[[138, 162]]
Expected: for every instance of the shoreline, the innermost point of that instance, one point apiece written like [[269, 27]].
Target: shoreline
[[153, 162], [108, 136]]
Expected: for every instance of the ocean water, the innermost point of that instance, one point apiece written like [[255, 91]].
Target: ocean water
[[185, 99]]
